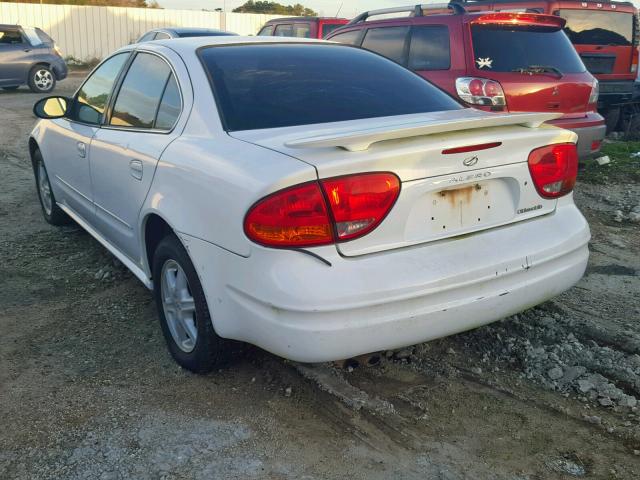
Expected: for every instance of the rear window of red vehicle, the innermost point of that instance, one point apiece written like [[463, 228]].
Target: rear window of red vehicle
[[586, 27], [279, 85], [503, 48]]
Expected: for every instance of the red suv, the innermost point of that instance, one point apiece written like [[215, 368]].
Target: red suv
[[605, 34], [301, 27], [516, 62]]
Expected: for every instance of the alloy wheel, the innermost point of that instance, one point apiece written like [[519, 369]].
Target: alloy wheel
[[179, 306]]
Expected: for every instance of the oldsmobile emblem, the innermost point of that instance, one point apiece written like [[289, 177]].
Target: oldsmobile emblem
[[470, 162]]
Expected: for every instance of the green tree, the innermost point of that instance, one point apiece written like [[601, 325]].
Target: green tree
[[275, 8]]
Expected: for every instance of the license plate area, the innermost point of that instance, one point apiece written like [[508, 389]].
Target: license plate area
[[470, 207]]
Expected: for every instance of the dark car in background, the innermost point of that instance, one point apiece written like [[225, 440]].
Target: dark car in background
[[28, 56], [301, 27], [501, 62], [177, 32]]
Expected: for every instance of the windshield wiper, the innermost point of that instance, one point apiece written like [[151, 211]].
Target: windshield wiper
[[538, 69]]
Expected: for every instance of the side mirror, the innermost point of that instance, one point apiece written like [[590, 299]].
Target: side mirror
[[51, 107]]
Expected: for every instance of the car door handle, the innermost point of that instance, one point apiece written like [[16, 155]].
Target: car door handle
[[27, 49], [136, 169], [82, 149]]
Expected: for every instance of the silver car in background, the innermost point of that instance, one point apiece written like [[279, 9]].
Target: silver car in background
[[28, 56]]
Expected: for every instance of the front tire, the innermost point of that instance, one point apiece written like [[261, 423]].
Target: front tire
[[183, 311], [41, 79], [51, 212]]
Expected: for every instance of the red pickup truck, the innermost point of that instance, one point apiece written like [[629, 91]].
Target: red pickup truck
[[516, 62]]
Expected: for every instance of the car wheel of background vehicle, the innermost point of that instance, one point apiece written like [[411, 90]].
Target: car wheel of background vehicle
[[11, 89], [41, 79], [611, 119], [630, 122], [50, 210], [183, 311]]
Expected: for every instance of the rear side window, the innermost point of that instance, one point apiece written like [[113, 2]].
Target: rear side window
[[429, 49], [586, 27], [10, 37], [266, 31], [279, 85], [284, 31], [348, 38], [302, 30], [93, 97], [147, 37], [161, 36], [140, 93], [506, 49], [32, 36], [43, 36], [388, 42]]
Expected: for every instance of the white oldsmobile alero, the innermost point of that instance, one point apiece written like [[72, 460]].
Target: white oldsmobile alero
[[314, 199]]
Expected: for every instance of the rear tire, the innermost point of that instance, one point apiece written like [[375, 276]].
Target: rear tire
[[183, 310], [51, 212], [41, 79]]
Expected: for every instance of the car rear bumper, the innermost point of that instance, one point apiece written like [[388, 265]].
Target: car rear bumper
[[591, 131], [300, 308]]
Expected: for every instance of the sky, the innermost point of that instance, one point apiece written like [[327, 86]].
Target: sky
[[350, 8]]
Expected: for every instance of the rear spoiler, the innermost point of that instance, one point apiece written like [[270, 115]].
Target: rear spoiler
[[519, 19], [360, 140]]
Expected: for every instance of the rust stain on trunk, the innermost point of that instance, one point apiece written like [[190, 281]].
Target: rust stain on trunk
[[460, 196]]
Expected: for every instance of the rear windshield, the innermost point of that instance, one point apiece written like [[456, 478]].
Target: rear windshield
[[506, 49], [280, 85], [586, 27]]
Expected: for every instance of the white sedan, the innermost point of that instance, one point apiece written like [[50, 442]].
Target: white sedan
[[314, 199]]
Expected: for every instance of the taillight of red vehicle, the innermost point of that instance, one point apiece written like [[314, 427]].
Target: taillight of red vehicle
[[324, 212], [480, 91], [554, 169]]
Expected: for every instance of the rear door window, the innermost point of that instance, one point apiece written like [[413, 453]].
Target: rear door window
[[586, 27], [10, 37], [32, 36], [284, 30], [348, 38], [429, 48], [170, 106], [389, 42], [499, 48], [140, 93]]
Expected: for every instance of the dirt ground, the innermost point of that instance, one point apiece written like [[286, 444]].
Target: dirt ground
[[88, 390]]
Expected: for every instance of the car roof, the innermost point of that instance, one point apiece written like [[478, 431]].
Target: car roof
[[303, 19], [9, 25], [186, 45], [180, 30]]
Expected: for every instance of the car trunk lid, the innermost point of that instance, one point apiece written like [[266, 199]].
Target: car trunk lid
[[442, 194]]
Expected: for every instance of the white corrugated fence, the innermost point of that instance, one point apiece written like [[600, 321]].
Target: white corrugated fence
[[87, 33]]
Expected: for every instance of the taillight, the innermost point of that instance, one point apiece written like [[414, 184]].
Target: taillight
[[480, 91], [360, 202], [554, 169], [320, 213], [634, 60], [57, 50], [595, 92]]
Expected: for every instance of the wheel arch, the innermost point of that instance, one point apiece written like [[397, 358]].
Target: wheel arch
[[33, 148], [154, 228]]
